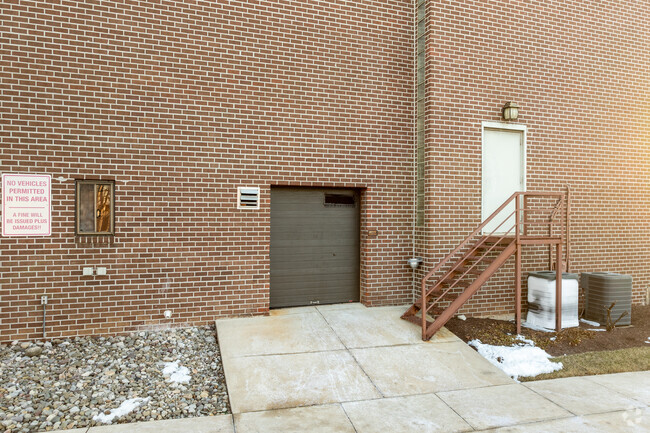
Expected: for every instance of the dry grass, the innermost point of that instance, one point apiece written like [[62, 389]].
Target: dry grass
[[502, 333], [584, 364]]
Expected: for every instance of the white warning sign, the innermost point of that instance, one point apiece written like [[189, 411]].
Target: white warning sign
[[26, 204]]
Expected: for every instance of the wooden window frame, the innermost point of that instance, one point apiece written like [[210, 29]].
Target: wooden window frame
[[78, 184]]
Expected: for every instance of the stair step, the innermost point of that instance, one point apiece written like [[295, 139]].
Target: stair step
[[479, 253], [413, 310], [473, 271], [475, 255], [455, 301], [498, 240], [449, 312], [448, 297], [493, 250], [415, 319], [434, 311], [445, 284]]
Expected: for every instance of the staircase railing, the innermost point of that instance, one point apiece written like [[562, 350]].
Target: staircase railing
[[545, 232], [468, 238], [478, 245]]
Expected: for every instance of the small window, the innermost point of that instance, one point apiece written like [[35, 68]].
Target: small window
[[339, 200], [95, 207], [248, 197]]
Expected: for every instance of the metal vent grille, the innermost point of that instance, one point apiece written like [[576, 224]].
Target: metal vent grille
[[248, 197]]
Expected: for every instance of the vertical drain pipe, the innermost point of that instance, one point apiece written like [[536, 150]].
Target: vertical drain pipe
[[44, 304], [415, 161], [419, 95]]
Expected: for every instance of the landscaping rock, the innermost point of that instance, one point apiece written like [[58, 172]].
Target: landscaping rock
[[34, 351], [65, 383]]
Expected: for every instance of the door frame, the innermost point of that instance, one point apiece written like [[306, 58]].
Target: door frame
[[359, 192], [485, 125]]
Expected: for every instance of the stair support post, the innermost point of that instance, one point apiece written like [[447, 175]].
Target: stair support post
[[518, 264], [518, 288], [423, 309], [558, 286]]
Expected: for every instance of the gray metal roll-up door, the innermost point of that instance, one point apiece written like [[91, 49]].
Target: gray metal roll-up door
[[314, 246]]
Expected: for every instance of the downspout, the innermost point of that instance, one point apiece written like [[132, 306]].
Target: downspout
[[419, 47], [415, 151], [44, 304]]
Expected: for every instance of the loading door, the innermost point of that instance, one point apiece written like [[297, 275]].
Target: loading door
[[314, 246]]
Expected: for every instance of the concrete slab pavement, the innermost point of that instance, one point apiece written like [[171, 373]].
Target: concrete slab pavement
[[289, 333], [293, 380], [312, 419], [426, 368], [347, 368], [628, 421], [583, 395], [342, 353], [633, 385], [400, 414], [385, 331], [412, 413], [503, 405], [442, 385]]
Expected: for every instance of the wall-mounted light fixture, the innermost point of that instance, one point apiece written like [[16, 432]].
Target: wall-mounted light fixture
[[510, 111], [414, 262]]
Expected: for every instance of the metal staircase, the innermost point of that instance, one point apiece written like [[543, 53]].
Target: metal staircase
[[526, 218]]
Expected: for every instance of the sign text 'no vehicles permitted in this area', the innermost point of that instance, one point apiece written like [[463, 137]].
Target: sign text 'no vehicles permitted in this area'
[[26, 204]]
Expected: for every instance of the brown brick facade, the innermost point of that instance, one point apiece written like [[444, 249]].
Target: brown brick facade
[[181, 102], [572, 67]]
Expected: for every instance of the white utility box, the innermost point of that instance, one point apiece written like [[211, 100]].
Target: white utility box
[[541, 300]]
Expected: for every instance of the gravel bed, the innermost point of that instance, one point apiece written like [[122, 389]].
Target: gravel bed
[[66, 383]]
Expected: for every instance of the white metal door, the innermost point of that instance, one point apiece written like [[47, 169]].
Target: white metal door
[[503, 174]]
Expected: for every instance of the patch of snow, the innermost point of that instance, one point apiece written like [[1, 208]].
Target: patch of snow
[[176, 373], [126, 407], [461, 317], [525, 340], [648, 340], [552, 338], [536, 327], [589, 322], [593, 329], [520, 360]]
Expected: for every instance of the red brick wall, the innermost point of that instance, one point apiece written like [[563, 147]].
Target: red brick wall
[[180, 103], [579, 72]]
